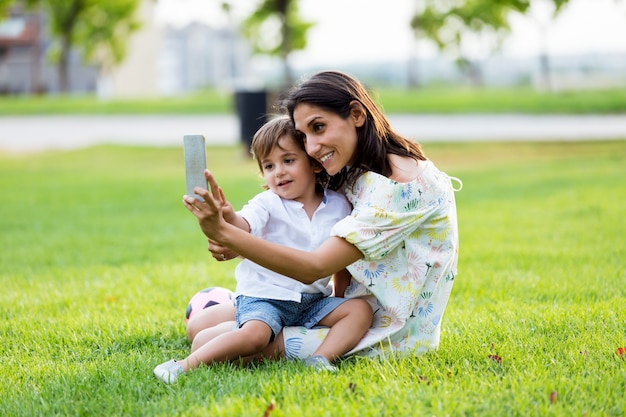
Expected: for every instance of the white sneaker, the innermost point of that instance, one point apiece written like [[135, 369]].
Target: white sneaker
[[168, 372], [319, 363]]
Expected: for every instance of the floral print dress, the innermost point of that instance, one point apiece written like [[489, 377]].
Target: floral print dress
[[408, 235]]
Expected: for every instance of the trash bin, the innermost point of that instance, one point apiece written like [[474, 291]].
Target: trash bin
[[252, 110]]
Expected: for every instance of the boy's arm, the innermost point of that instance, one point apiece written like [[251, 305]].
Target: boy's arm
[[341, 281], [236, 220]]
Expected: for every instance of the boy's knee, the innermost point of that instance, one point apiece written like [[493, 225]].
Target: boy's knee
[[362, 310], [192, 329], [257, 336], [258, 343]]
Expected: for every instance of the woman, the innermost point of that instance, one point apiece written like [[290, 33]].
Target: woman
[[400, 243]]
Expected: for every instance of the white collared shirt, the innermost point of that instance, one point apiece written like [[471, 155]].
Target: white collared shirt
[[285, 222]]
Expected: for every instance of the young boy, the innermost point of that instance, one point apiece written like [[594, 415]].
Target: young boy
[[296, 211]]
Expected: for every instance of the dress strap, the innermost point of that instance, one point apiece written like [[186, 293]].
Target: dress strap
[[458, 181]]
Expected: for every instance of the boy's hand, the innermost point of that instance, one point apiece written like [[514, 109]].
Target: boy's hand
[[228, 212]]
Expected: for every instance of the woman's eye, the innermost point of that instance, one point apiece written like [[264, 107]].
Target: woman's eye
[[318, 127]]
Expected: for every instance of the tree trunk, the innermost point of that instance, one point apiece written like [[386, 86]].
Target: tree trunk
[[67, 24], [285, 46], [412, 72], [64, 64], [472, 70], [544, 64]]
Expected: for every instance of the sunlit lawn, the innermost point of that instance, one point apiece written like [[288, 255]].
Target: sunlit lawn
[[99, 259], [433, 99]]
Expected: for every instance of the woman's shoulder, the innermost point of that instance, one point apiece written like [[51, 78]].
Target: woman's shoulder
[[405, 169], [423, 185], [399, 177]]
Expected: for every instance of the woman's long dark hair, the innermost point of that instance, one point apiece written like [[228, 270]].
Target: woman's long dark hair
[[334, 91]]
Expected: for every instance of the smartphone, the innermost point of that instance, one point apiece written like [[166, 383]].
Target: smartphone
[[195, 163]]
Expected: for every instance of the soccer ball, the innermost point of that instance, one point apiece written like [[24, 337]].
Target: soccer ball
[[207, 298]]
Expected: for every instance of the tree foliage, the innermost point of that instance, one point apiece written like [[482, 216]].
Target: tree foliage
[[98, 29], [275, 28], [448, 23], [4, 5]]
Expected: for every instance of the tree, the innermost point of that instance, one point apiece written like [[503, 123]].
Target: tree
[[275, 28], [4, 5], [544, 61], [97, 28], [450, 24]]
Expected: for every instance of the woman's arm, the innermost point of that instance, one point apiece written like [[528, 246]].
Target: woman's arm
[[333, 255]]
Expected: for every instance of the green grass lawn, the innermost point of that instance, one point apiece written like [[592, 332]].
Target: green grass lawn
[[99, 259], [441, 99]]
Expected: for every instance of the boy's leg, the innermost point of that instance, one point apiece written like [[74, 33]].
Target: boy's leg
[[248, 340], [209, 317], [275, 349], [348, 324], [204, 336]]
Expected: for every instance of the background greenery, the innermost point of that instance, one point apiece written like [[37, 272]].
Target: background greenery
[[435, 99], [100, 258]]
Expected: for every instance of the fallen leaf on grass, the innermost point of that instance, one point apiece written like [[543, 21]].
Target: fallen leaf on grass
[[269, 409], [553, 397], [495, 358], [621, 352]]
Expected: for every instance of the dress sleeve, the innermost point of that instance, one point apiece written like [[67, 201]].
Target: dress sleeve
[[375, 232], [385, 215]]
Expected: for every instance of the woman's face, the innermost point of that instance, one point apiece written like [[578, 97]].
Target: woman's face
[[328, 138]]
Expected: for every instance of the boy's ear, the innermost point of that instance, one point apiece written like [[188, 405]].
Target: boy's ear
[[357, 113]]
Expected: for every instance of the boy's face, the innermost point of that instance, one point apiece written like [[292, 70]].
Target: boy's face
[[288, 171]]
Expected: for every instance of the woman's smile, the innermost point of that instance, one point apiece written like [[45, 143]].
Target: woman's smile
[[326, 157]]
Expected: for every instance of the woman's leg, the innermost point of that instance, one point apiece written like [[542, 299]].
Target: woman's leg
[[210, 317]]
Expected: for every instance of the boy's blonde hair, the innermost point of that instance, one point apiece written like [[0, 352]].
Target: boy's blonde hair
[[266, 138]]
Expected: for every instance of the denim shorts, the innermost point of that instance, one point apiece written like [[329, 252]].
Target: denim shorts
[[280, 313]]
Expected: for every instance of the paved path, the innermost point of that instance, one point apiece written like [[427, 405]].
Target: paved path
[[32, 133]]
